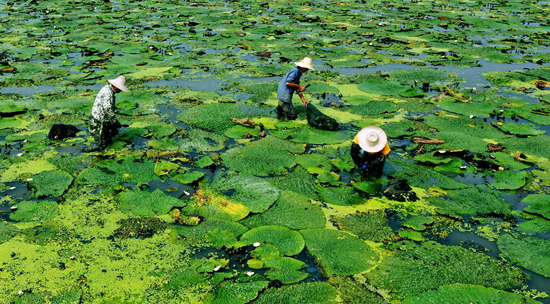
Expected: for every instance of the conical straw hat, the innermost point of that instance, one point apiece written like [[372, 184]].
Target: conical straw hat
[[120, 82], [305, 63]]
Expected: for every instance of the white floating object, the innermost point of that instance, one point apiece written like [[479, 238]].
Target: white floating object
[[441, 151], [12, 188], [20, 292], [13, 208], [463, 167], [250, 273], [185, 192], [218, 268], [29, 179], [472, 116], [72, 257], [256, 244], [19, 154]]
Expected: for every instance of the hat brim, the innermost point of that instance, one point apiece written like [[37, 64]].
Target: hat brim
[[118, 85], [304, 66], [362, 139]]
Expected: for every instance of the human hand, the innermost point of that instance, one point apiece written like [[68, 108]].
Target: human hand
[[301, 88], [305, 102]]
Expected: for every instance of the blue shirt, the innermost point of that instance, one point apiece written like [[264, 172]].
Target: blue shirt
[[284, 93]]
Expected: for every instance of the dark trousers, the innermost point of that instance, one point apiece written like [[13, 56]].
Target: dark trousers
[[103, 131], [369, 164], [286, 109]]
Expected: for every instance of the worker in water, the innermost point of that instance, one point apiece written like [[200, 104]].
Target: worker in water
[[369, 151], [103, 123], [290, 84]]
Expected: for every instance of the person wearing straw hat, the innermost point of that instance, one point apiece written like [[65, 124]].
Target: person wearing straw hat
[[288, 85], [103, 123], [369, 151]]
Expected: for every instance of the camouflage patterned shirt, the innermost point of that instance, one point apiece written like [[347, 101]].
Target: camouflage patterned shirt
[[104, 105]]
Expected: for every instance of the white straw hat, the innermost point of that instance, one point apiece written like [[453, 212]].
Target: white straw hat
[[305, 63], [120, 82], [372, 139]]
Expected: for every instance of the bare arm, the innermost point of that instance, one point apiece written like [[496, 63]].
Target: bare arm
[[300, 90]]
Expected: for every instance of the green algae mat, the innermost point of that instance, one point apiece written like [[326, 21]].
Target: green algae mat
[[206, 196]]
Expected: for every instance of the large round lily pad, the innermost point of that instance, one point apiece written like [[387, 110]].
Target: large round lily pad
[[258, 161], [51, 183], [509, 180], [339, 252], [28, 211], [464, 293], [285, 269], [236, 292], [529, 252], [289, 242], [539, 204], [145, 203], [253, 192], [305, 293]]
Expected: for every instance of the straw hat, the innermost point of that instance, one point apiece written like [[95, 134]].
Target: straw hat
[[372, 139], [305, 63], [120, 82]]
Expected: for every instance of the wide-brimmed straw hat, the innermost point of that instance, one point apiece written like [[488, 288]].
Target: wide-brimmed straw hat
[[372, 139], [120, 82], [305, 63]]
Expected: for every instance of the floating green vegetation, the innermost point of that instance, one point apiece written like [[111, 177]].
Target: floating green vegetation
[[338, 252], [51, 183], [215, 117], [304, 293], [200, 140], [417, 175], [7, 231], [200, 231], [289, 242], [145, 203], [464, 293], [529, 252], [272, 142], [214, 206], [285, 269], [431, 265], [188, 177], [478, 200], [343, 195], [298, 181], [111, 173], [258, 161], [369, 226], [31, 211], [538, 204], [26, 170], [236, 292], [381, 87], [142, 227], [509, 180], [310, 135], [291, 210]]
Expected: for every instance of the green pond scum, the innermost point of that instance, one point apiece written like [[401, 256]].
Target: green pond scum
[[206, 196]]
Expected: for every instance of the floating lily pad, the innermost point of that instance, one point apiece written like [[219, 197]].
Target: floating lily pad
[[204, 162], [214, 206], [236, 292], [165, 167], [288, 242], [7, 231], [221, 238], [311, 135], [253, 192], [463, 293], [431, 265], [305, 293], [340, 253], [51, 183], [145, 203], [188, 177], [273, 142], [266, 252], [370, 226], [381, 87], [26, 169], [298, 181], [8, 108], [418, 223], [314, 163], [203, 141], [509, 180], [29, 211], [417, 175], [520, 129], [508, 160], [239, 131], [477, 109], [258, 161], [161, 129], [343, 195], [455, 166], [167, 144], [375, 107], [115, 172], [200, 231], [285, 269], [539, 204], [529, 252], [476, 200], [291, 210], [215, 117]]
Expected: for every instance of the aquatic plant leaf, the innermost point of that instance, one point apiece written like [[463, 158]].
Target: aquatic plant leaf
[[535, 224], [353, 292], [51, 183], [11, 108], [477, 200], [477, 109], [258, 161], [153, 72], [312, 135], [30, 211], [204, 162], [188, 177], [343, 195], [464, 293], [161, 129], [320, 87], [417, 175], [381, 87], [520, 129], [202, 141], [7, 231], [412, 92], [508, 160], [509, 180], [375, 107], [304, 293], [289, 242], [273, 142], [145, 203], [166, 144], [418, 223], [26, 169], [165, 167], [539, 204], [236, 292], [431, 265], [213, 206], [285, 269], [215, 117], [455, 166], [418, 75], [221, 238], [265, 252], [314, 163], [529, 252], [298, 181], [369, 226], [200, 231], [239, 131], [253, 192], [111, 173], [291, 210], [339, 252], [397, 129]]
